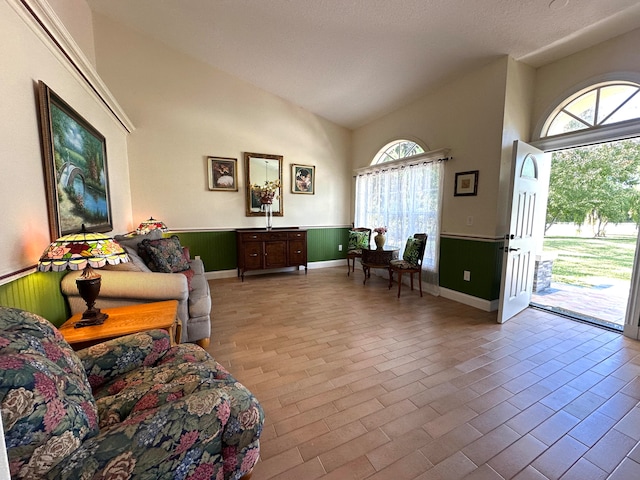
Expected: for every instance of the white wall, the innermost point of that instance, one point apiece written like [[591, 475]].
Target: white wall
[[465, 115], [185, 110], [27, 58], [516, 126]]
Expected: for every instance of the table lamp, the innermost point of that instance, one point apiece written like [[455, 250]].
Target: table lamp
[[84, 251], [151, 224]]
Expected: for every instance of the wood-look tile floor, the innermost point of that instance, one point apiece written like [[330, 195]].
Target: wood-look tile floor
[[356, 383]]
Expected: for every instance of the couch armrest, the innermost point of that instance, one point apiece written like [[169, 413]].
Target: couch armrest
[[115, 357], [150, 286], [197, 265]]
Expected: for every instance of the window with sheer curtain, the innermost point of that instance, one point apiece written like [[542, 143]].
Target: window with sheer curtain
[[406, 197]]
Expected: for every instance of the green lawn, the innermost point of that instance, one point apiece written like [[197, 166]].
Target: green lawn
[[581, 258]]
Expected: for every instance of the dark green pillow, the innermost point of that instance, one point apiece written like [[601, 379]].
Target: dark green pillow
[[412, 250], [358, 240]]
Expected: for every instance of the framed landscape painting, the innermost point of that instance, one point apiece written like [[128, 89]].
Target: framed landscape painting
[[303, 179], [75, 164]]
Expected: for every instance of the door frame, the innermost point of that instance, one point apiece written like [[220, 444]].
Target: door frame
[[583, 138]]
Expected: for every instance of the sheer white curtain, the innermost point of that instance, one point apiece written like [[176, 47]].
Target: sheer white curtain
[[407, 199]]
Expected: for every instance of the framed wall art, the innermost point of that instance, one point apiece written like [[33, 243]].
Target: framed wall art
[[466, 184], [75, 165], [303, 179], [223, 173]]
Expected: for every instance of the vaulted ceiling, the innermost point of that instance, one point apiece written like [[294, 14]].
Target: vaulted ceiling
[[352, 61]]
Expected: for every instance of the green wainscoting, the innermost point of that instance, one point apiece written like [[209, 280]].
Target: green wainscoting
[[483, 258], [38, 293], [218, 249]]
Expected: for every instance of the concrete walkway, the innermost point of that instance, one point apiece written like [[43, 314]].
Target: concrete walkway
[[606, 299]]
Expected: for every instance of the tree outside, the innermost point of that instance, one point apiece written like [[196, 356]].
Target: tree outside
[[596, 185]]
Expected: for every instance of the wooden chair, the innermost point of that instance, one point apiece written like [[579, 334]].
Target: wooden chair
[[354, 249], [411, 261]]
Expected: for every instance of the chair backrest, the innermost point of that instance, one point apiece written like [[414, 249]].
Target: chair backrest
[[362, 229], [410, 253]]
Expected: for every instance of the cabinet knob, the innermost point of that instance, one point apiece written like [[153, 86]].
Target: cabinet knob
[[253, 255], [299, 251]]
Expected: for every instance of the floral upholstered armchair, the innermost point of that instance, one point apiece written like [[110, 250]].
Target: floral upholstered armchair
[[132, 407]]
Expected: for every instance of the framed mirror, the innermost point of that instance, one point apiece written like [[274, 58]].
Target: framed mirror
[[263, 170]]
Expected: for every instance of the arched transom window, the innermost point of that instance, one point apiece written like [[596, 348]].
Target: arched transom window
[[397, 150], [598, 105]]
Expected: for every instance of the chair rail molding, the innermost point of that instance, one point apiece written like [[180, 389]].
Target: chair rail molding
[[44, 22]]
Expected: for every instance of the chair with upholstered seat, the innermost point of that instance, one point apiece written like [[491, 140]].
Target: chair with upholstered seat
[[359, 238], [411, 261]]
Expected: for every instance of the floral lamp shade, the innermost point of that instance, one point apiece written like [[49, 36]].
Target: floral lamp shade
[[76, 251], [151, 224], [84, 251]]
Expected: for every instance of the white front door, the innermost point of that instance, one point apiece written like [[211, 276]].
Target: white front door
[[530, 172]]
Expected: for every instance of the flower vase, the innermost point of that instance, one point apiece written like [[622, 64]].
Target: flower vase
[[268, 214], [379, 239]]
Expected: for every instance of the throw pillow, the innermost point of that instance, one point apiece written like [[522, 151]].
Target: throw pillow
[[412, 250], [358, 240], [164, 255], [130, 242]]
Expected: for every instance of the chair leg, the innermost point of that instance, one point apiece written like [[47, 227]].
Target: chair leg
[[390, 278], [399, 282], [349, 267], [420, 281]]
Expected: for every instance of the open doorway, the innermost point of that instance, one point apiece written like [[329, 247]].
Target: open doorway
[[591, 232]]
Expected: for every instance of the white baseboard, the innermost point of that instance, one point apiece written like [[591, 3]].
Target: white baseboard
[[480, 303], [234, 273]]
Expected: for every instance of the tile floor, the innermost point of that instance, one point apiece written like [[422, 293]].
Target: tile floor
[[357, 384]]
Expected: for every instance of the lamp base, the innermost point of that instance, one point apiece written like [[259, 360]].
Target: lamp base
[[91, 317], [89, 287]]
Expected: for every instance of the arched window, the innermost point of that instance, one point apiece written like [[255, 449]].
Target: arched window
[[397, 150], [596, 106], [402, 190]]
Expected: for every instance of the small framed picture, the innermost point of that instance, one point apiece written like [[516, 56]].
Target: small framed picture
[[466, 183], [303, 179], [223, 173]]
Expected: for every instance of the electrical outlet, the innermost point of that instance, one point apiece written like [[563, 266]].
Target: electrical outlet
[[467, 276], [197, 257], [339, 248], [469, 220]]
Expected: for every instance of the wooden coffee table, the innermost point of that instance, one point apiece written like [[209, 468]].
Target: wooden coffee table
[[124, 321]]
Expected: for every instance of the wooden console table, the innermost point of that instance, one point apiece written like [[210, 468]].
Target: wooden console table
[[123, 321], [260, 249], [378, 258]]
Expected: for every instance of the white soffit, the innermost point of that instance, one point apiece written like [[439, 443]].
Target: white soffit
[[352, 61]]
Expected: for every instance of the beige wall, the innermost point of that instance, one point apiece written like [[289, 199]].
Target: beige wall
[[26, 58], [465, 115], [554, 82], [185, 110], [77, 19]]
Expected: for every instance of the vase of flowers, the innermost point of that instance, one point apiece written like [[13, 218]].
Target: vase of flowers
[[265, 194], [380, 239]]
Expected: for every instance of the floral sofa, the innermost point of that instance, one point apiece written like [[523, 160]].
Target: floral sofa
[[132, 407]]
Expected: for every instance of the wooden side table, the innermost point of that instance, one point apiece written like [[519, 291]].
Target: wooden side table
[[378, 258], [124, 321]]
